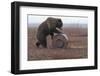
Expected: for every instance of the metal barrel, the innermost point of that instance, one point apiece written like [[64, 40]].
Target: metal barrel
[[60, 41]]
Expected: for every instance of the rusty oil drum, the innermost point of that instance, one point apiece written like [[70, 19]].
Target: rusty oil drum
[[60, 41]]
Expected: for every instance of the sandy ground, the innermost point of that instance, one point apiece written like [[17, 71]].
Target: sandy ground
[[77, 46]]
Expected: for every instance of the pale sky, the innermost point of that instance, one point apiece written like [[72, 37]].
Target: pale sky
[[32, 19]]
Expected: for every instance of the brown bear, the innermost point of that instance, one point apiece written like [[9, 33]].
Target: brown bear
[[48, 27]]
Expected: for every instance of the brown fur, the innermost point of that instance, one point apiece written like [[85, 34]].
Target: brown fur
[[48, 27]]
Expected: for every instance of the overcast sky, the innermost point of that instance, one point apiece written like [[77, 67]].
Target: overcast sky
[[32, 19]]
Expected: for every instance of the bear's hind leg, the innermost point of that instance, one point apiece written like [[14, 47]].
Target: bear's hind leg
[[44, 43]]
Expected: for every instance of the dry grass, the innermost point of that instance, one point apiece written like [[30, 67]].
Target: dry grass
[[77, 47]]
